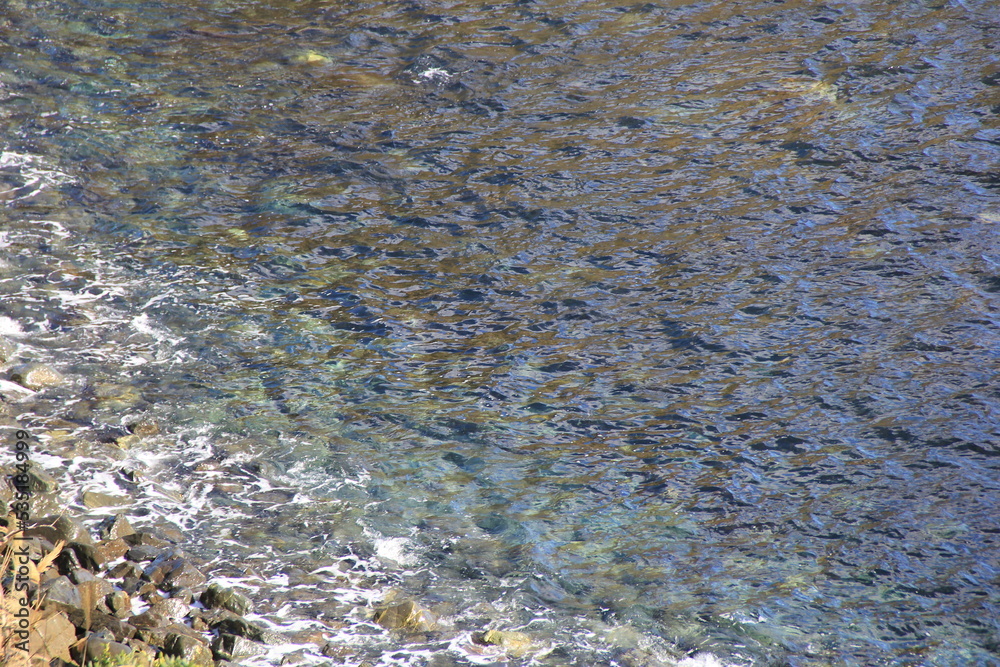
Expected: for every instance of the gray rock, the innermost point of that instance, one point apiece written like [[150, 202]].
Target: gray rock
[[148, 619], [125, 571], [113, 549], [55, 528], [120, 604], [40, 481], [84, 578], [143, 553], [59, 594], [233, 647], [114, 527], [184, 646], [62, 591], [235, 625], [184, 576], [217, 596], [131, 585], [94, 499], [172, 608]]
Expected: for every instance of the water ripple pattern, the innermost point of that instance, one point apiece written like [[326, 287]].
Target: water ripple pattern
[[648, 329]]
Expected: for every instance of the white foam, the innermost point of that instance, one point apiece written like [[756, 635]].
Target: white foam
[[701, 660], [9, 327], [37, 174], [433, 74], [9, 388], [395, 549], [142, 324]]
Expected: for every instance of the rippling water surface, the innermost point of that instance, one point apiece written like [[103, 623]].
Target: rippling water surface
[[645, 328]]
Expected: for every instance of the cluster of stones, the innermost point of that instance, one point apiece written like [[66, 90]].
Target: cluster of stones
[[133, 593]]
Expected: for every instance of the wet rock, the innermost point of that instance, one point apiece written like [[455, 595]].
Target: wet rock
[[406, 616], [171, 608], [148, 619], [36, 376], [94, 499], [55, 528], [236, 625], [125, 571], [233, 647], [166, 560], [85, 554], [184, 576], [516, 644], [120, 604], [145, 539], [114, 527], [109, 550], [40, 481], [189, 648], [99, 588], [118, 629], [142, 553], [217, 596], [144, 428], [127, 441], [7, 350], [114, 396]]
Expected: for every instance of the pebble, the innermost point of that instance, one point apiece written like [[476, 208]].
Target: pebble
[[36, 376], [516, 644]]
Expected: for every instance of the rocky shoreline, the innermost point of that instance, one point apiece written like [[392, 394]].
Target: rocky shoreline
[[114, 590], [131, 592]]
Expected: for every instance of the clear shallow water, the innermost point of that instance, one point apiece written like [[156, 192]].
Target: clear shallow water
[[674, 319]]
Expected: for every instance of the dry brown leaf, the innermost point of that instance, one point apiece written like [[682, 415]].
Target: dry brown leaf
[[46, 561], [33, 574]]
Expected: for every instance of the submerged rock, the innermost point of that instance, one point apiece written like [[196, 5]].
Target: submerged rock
[[36, 376], [7, 350], [407, 616], [516, 644]]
